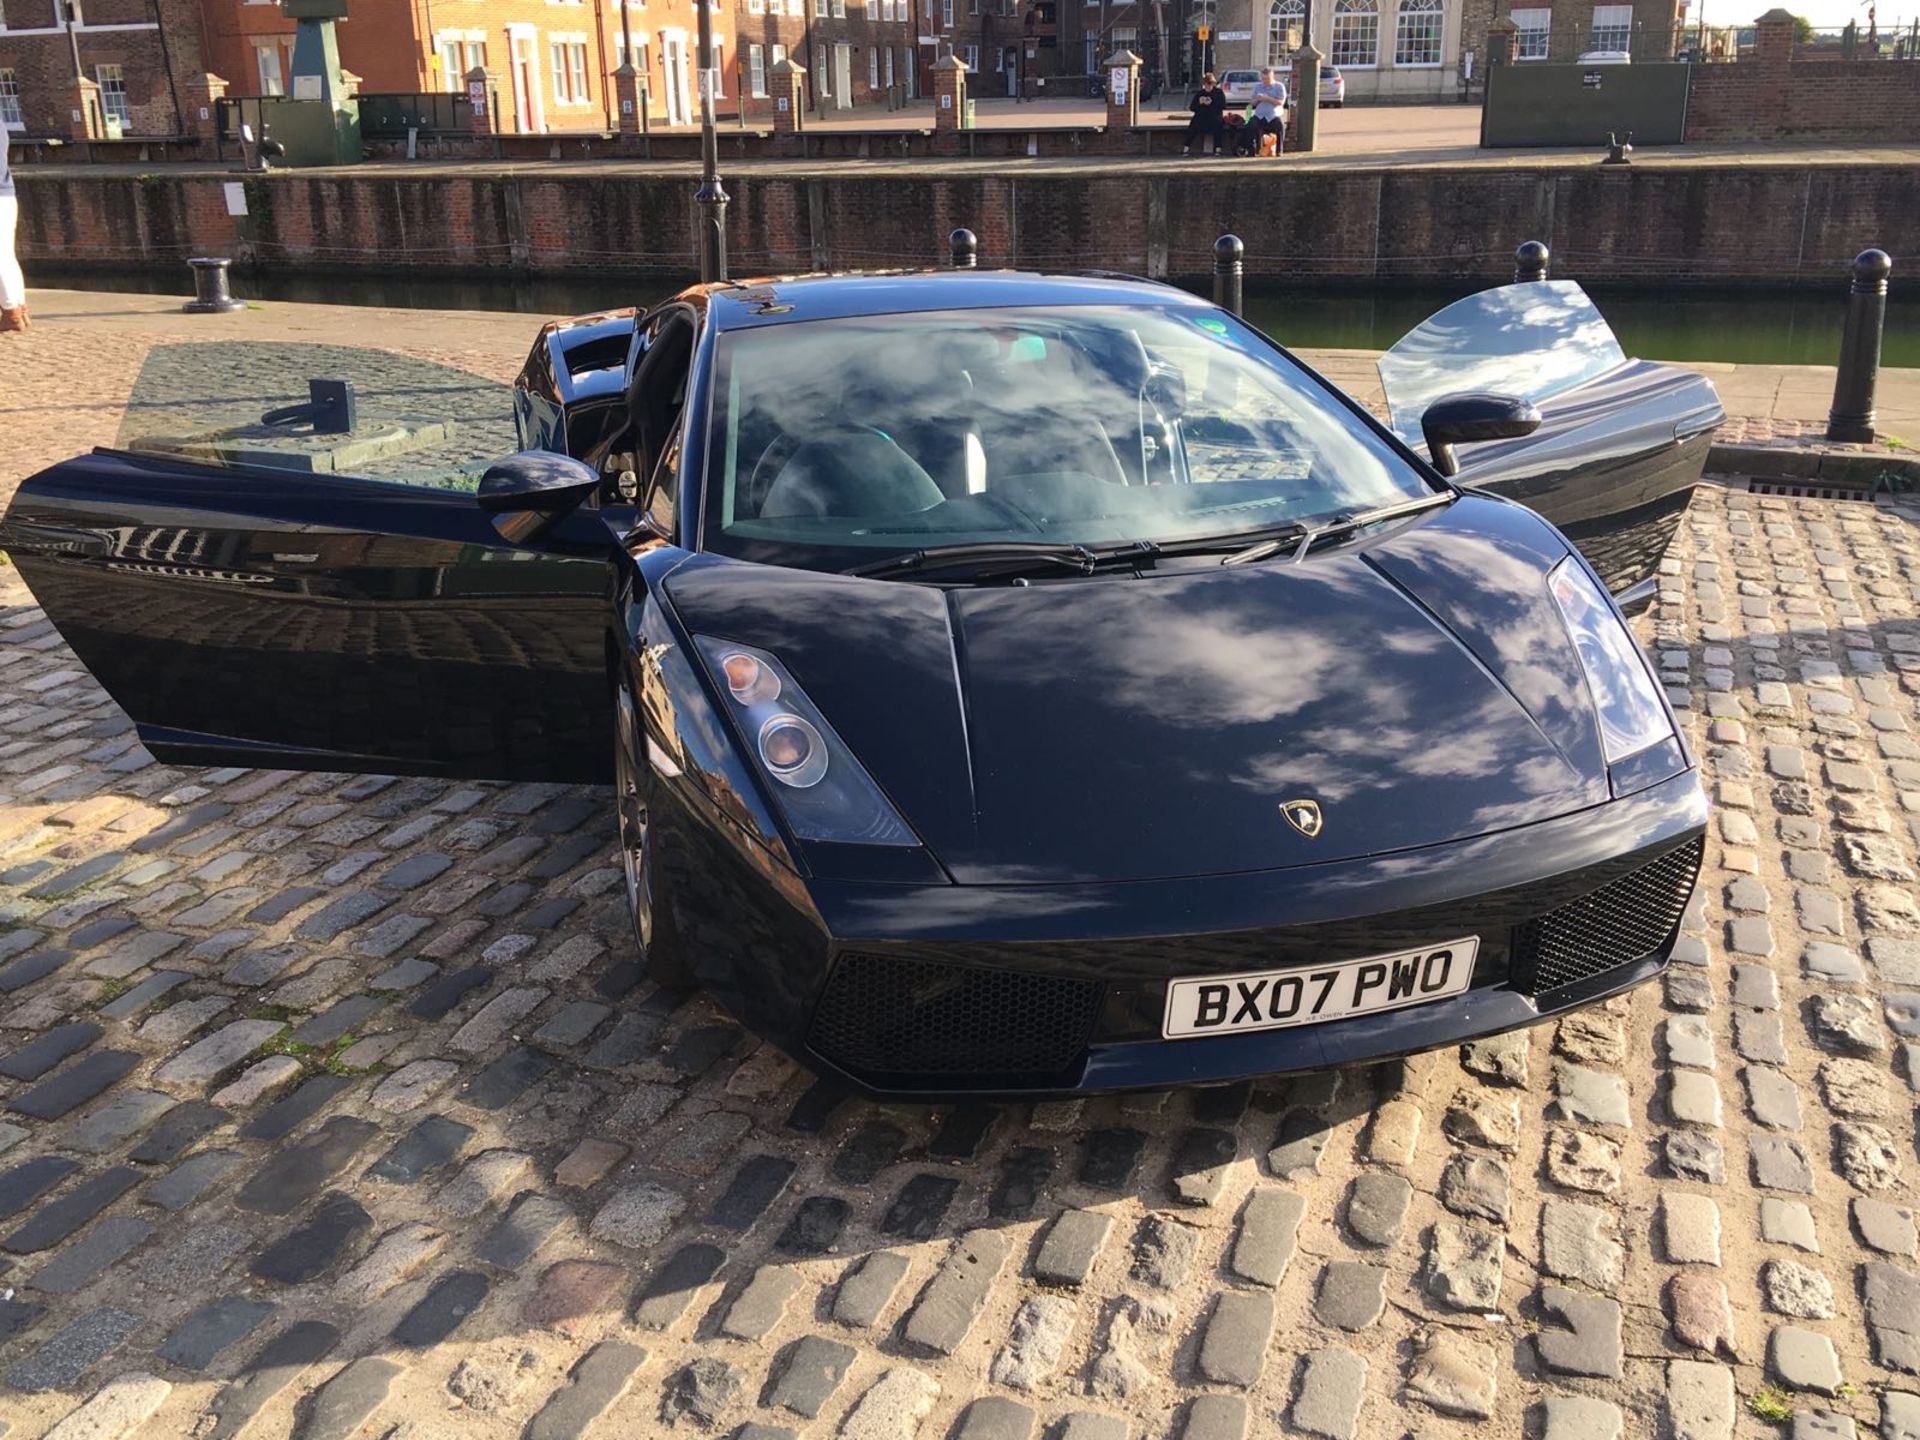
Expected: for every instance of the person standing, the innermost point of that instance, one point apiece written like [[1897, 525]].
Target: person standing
[[13, 285], [1269, 108], [1209, 118]]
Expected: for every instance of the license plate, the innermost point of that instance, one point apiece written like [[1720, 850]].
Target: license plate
[[1308, 995]]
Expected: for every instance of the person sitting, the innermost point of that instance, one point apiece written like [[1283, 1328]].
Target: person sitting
[[1270, 107], [1209, 107]]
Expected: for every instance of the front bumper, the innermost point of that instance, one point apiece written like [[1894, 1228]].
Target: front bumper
[[924, 992]]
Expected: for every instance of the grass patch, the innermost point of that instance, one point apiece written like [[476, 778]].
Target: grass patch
[[264, 1011], [112, 990], [1770, 1402]]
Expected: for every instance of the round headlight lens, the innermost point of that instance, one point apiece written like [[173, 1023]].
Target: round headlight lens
[[749, 680], [793, 751]]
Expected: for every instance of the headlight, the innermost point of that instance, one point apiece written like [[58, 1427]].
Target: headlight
[[825, 792], [1624, 696]]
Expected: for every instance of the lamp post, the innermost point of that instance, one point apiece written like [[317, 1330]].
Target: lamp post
[[711, 196]]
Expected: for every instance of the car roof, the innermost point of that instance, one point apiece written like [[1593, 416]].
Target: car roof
[[787, 299]]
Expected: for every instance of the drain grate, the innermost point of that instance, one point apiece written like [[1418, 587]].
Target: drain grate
[[1806, 490]]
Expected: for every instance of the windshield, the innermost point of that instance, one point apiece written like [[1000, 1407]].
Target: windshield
[[835, 441], [1529, 340]]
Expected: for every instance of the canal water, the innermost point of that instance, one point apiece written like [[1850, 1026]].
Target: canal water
[[1753, 327]]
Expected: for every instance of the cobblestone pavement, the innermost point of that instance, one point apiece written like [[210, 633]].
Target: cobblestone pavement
[[334, 1106]]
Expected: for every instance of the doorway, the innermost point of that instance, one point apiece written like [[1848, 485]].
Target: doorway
[[674, 60], [529, 114]]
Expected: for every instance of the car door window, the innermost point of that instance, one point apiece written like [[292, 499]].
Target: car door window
[[1531, 340], [270, 406]]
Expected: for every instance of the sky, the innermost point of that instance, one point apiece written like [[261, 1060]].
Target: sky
[[1891, 14]]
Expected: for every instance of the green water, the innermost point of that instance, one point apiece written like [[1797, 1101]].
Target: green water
[[1757, 327]]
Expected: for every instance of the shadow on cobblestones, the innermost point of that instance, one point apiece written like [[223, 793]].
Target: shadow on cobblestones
[[336, 1105]]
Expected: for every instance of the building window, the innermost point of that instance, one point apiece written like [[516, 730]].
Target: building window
[[756, 7], [640, 55], [839, 9], [819, 9], [1612, 28], [1356, 34], [113, 94], [569, 61], [1531, 42], [10, 115], [1416, 33], [973, 7], [889, 67], [719, 69], [946, 14], [1285, 19], [973, 58], [757, 71], [266, 62]]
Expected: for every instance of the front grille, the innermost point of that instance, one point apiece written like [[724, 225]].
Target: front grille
[[1619, 923], [888, 1017]]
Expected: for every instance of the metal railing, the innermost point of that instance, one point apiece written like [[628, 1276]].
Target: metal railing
[[1565, 45]]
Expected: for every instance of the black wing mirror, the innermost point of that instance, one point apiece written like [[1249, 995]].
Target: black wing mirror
[[530, 492], [1456, 419]]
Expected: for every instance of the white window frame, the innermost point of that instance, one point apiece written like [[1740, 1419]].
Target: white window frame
[[757, 71], [112, 80], [972, 57], [1419, 34], [567, 58], [1356, 34], [889, 50], [1282, 16], [1535, 26], [267, 48], [839, 9], [873, 67], [11, 114], [1612, 28]]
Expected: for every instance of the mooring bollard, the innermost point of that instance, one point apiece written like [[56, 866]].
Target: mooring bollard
[[1530, 262], [1229, 257], [210, 293], [964, 246], [1851, 418]]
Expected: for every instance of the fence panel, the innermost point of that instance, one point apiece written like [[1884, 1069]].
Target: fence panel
[[1549, 104]]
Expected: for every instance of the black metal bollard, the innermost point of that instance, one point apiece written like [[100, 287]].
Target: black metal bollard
[[1851, 418], [1229, 268], [1530, 262], [964, 247], [210, 293]]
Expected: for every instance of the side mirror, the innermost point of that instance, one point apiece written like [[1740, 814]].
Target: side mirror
[[1457, 419], [530, 492]]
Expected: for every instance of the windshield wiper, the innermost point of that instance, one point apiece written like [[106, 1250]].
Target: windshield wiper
[[1303, 536], [1001, 556]]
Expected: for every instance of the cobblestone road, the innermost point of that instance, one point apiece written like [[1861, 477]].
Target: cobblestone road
[[334, 1106]]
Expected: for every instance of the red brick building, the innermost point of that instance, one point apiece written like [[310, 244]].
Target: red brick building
[[856, 52], [140, 54], [553, 60]]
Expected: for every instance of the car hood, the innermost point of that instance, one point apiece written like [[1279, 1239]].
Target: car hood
[[1418, 689]]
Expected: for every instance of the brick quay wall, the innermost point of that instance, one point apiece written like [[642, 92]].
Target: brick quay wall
[[1729, 222]]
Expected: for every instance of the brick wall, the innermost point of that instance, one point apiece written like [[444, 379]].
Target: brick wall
[[1646, 224], [1805, 100], [125, 33]]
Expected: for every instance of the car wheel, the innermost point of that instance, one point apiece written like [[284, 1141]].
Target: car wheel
[[652, 931]]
